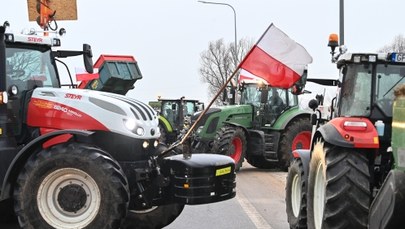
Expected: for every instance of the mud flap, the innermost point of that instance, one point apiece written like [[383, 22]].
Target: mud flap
[[388, 207], [200, 179]]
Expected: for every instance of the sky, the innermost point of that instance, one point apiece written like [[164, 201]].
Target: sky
[[167, 37]]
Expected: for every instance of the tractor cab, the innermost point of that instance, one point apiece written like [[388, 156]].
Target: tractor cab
[[30, 62], [367, 86], [268, 102], [175, 116]]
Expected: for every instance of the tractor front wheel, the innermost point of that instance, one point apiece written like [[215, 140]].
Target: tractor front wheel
[[71, 185], [231, 141], [296, 194], [339, 193]]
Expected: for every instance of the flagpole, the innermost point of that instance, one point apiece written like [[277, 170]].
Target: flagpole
[[199, 117]]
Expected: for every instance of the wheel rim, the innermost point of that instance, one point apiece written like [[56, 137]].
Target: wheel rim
[[237, 149], [68, 198], [296, 195], [319, 195], [302, 140]]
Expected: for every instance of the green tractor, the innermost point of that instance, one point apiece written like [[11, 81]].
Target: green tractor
[[174, 116], [264, 127]]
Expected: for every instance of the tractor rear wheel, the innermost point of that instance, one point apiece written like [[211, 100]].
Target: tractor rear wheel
[[339, 193], [7, 212], [71, 185], [153, 218], [297, 135], [231, 141], [296, 194]]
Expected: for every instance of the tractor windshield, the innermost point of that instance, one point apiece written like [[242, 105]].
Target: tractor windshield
[[30, 66], [357, 94], [388, 77], [250, 95]]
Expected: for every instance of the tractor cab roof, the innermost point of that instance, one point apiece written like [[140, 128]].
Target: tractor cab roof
[[393, 57]]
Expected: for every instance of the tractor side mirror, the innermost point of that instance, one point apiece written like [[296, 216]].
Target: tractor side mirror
[[313, 104], [298, 87], [87, 58]]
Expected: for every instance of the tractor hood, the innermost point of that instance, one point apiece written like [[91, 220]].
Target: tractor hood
[[231, 113], [57, 108]]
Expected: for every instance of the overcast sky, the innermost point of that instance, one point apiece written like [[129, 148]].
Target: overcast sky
[[167, 36]]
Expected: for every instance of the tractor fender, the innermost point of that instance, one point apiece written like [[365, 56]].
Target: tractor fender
[[23, 155], [166, 124], [305, 156], [335, 133], [330, 134], [237, 125], [285, 119]]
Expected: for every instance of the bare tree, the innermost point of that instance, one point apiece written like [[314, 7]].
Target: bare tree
[[397, 45], [220, 61]]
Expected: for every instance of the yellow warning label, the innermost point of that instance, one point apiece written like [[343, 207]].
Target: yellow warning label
[[223, 171]]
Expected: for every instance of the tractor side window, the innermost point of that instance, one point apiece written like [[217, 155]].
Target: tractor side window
[[190, 108], [388, 77], [277, 100], [356, 91], [292, 99]]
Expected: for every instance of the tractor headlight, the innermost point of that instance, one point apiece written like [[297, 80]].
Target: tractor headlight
[[140, 131], [130, 124], [199, 129], [145, 144]]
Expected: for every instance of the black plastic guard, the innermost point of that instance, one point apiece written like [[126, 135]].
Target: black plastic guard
[[201, 179], [388, 207]]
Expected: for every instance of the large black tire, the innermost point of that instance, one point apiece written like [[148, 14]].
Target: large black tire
[[296, 195], [297, 135], [88, 189], [154, 218], [339, 193], [7, 211], [231, 141]]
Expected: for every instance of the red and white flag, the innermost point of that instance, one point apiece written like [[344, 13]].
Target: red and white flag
[[277, 59], [83, 75], [247, 76]]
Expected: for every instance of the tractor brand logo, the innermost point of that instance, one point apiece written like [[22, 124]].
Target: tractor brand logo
[[43, 104], [73, 96], [35, 39], [66, 110]]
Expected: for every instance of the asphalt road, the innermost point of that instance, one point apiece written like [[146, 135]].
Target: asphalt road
[[259, 203]]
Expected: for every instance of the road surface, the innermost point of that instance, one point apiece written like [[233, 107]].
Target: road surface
[[259, 203]]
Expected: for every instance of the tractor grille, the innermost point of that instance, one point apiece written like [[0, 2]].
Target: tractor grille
[[139, 109]]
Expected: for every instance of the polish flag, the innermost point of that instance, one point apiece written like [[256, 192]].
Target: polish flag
[[83, 75], [277, 59], [247, 76]]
